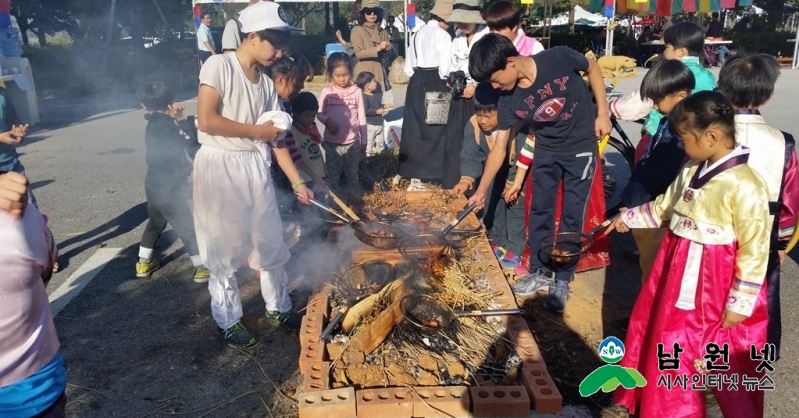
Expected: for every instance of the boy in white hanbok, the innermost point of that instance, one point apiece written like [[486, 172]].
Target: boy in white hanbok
[[235, 211]]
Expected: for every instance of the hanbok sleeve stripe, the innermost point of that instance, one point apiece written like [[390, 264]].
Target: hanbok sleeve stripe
[[641, 217], [740, 302]]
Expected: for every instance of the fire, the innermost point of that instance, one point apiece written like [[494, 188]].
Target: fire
[[439, 263]]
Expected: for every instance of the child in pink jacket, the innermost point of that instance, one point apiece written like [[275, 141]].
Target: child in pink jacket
[[343, 113]]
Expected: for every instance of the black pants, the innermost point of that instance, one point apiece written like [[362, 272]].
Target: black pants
[[577, 173], [202, 56], [169, 207]]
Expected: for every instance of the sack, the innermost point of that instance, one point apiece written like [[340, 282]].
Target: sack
[[436, 107]]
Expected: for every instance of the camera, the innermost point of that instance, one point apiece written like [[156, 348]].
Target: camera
[[457, 82]]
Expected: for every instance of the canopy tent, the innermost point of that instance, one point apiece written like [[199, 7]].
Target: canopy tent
[[609, 8], [664, 7], [581, 17]]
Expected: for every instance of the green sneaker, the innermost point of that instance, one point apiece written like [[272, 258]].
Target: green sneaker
[[289, 320], [237, 336], [146, 269], [202, 275]]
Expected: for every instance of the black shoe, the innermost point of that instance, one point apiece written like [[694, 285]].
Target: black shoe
[[289, 320], [237, 336]]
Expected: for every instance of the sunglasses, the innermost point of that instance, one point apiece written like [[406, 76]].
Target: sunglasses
[[371, 11]]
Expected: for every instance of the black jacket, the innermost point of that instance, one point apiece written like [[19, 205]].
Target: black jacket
[[171, 146]]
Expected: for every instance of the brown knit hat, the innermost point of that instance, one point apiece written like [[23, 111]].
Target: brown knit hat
[[442, 9], [369, 4]]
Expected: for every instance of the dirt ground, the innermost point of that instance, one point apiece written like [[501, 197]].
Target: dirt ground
[[166, 359], [600, 301]]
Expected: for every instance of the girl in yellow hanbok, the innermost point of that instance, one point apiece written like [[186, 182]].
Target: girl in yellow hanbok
[[706, 285]]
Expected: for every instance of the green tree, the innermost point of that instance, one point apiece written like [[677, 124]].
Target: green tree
[[42, 17]]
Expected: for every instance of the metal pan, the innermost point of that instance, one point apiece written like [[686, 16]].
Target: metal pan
[[567, 247], [430, 315], [375, 234]]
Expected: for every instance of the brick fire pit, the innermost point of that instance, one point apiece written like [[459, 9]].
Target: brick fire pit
[[534, 389]]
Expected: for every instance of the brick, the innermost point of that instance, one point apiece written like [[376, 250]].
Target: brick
[[331, 403], [312, 353], [544, 396], [322, 292], [384, 402], [441, 401], [317, 306], [526, 346], [310, 329], [333, 350], [500, 401], [316, 377]]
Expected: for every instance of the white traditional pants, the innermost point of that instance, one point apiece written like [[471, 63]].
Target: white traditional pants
[[236, 217]]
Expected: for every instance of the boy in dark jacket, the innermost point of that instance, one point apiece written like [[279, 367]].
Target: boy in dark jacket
[[171, 141], [504, 222]]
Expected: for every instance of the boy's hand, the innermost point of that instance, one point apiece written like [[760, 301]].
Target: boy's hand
[[617, 225], [379, 111], [13, 193], [602, 126], [268, 131], [730, 319], [512, 193], [175, 111], [387, 106], [304, 194], [332, 126], [15, 135], [478, 198], [468, 91], [460, 188]]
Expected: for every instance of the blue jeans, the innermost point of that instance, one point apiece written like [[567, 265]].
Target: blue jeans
[[723, 52]]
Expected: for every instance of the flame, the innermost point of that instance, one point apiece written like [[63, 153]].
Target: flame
[[439, 263]]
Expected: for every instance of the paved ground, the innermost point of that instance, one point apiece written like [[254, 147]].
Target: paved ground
[[134, 347]]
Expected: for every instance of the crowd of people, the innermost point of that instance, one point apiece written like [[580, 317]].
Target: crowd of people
[[712, 200]]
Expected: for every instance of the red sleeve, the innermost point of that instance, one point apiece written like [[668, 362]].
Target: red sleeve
[[790, 201]]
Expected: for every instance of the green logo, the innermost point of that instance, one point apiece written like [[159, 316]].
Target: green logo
[[610, 376]]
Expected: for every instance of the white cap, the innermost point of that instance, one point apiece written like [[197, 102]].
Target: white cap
[[264, 15]]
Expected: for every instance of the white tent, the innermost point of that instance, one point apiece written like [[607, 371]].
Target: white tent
[[580, 14]]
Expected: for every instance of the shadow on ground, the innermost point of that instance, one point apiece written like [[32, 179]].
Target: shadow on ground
[[148, 347], [600, 302]]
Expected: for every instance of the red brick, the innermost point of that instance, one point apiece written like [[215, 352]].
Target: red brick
[[331, 403], [384, 402], [316, 377], [312, 353], [500, 401], [526, 346], [322, 292], [544, 395], [316, 306], [441, 401], [310, 329]]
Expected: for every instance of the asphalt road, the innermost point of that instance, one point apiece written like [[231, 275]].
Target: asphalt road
[[88, 178]]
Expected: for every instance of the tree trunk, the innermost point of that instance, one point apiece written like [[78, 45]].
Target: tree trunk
[[328, 25], [336, 15], [572, 5], [22, 22], [136, 30], [41, 35]]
